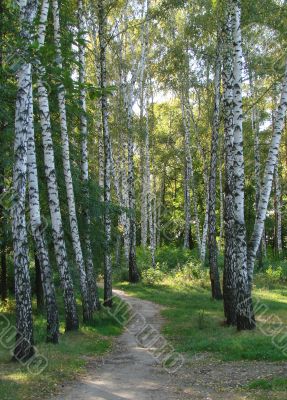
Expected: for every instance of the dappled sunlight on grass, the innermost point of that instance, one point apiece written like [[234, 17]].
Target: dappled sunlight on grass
[[195, 322], [65, 360]]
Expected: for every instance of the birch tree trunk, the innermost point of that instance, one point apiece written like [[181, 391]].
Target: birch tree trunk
[[39, 235], [152, 223], [244, 310], [71, 318], [161, 206], [214, 272], [24, 323], [278, 212], [150, 200], [189, 181], [221, 229], [133, 272], [125, 200], [90, 270], [229, 275], [3, 222], [145, 163], [257, 158], [270, 165], [107, 152], [101, 160], [86, 300]]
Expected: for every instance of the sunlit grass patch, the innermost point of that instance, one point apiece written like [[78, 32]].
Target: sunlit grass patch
[[64, 361], [195, 322]]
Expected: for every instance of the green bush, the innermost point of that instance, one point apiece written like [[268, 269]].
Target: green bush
[[191, 272], [173, 257], [152, 276], [275, 274]]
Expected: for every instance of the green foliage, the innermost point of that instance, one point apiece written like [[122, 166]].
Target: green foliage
[[275, 275], [173, 257], [152, 276]]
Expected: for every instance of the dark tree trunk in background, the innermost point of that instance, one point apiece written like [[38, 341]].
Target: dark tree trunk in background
[[38, 284]]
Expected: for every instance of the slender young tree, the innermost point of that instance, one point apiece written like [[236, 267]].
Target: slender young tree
[[91, 279], [71, 318], [38, 233], [107, 153], [266, 187], [212, 245], [278, 212], [24, 324], [86, 301], [189, 176], [257, 156], [145, 172], [244, 309]]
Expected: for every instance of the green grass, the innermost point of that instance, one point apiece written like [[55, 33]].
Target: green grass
[[278, 384], [65, 360], [195, 322]]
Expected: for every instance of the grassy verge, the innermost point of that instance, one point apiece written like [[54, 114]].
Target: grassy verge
[[65, 360], [195, 321], [277, 384]]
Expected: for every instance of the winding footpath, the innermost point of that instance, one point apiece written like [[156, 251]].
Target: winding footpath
[[130, 372]]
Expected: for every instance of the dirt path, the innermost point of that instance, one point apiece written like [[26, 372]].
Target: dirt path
[[130, 372]]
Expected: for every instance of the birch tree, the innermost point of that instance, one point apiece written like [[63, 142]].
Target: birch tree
[[266, 187], [189, 180], [257, 157], [86, 300], [91, 279], [278, 212], [212, 245], [24, 324], [229, 275], [3, 221], [244, 311], [38, 233], [71, 318], [107, 153]]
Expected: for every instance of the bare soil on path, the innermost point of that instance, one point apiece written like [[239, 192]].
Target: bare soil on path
[[130, 372]]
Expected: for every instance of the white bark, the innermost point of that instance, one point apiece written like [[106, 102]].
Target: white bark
[[24, 323], [244, 312], [39, 234], [278, 211], [270, 165], [189, 181], [145, 169], [152, 222], [229, 275], [90, 270], [107, 155], [211, 189], [101, 160], [206, 184], [53, 194], [86, 302], [221, 229]]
